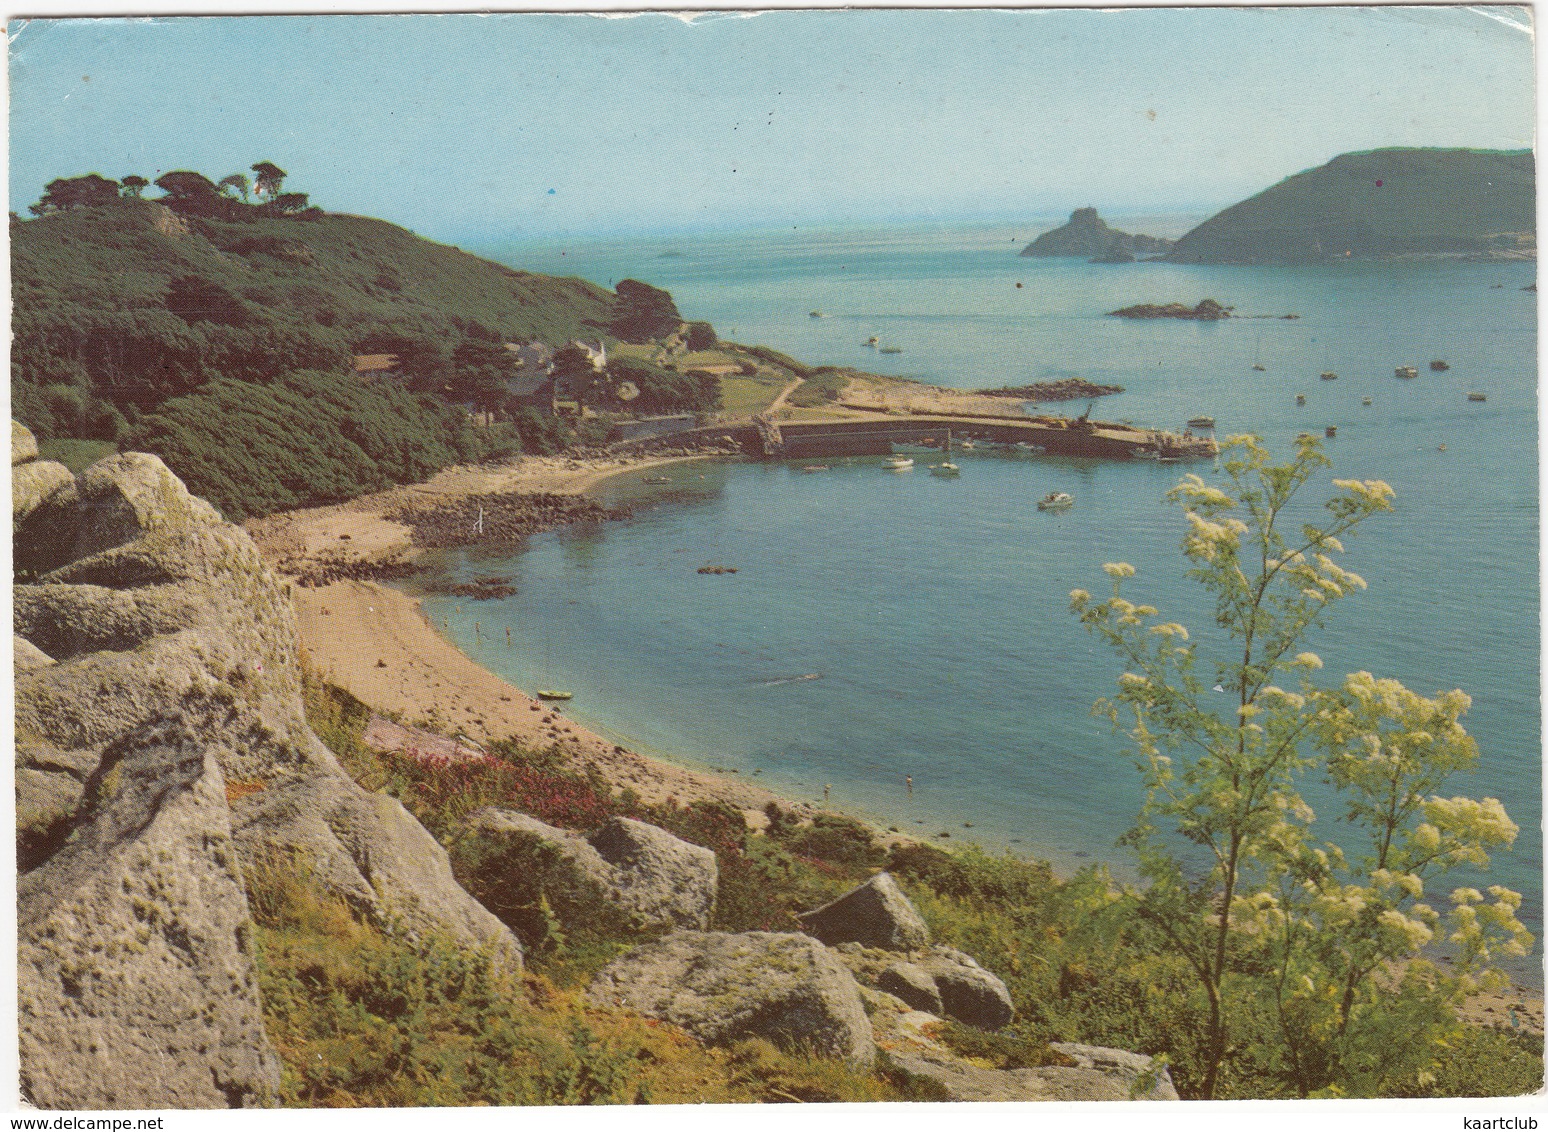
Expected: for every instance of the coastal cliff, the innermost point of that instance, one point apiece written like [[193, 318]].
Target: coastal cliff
[[162, 755], [1381, 203], [1088, 236]]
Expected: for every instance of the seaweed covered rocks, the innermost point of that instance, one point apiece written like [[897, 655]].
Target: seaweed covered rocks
[[499, 517]]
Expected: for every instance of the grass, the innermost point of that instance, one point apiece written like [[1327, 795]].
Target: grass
[[744, 396], [77, 455]]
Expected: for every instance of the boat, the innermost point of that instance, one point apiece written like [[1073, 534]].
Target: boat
[[1476, 397], [1300, 398], [1405, 372], [1026, 446], [967, 445], [898, 463], [1055, 501], [873, 341], [1260, 369], [1145, 453], [657, 479], [1365, 400], [550, 694], [891, 349], [1438, 366], [1329, 375], [1330, 431], [946, 467], [814, 314], [815, 468], [1201, 422]]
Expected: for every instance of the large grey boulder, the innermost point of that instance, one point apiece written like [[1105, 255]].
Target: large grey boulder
[[911, 984], [24, 446], [35, 484], [158, 615], [876, 914], [658, 878], [1137, 1074], [134, 945], [1087, 1073], [969, 994], [720, 987], [659, 875]]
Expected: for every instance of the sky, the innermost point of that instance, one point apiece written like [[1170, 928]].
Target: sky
[[470, 128]]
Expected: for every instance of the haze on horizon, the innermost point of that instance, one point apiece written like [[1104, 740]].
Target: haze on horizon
[[475, 128]]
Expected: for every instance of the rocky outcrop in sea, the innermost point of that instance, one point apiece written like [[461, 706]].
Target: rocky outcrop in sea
[[1207, 311], [1088, 236]]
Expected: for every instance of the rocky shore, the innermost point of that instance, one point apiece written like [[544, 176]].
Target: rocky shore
[[1066, 389], [487, 517], [1206, 311]]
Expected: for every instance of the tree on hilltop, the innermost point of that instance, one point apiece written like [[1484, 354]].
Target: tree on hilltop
[[642, 312], [236, 183], [66, 193], [185, 185], [134, 185], [269, 177], [1304, 955]]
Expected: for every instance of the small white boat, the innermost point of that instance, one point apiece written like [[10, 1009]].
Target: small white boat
[[898, 463], [1055, 501], [1406, 371], [1145, 453], [946, 467], [551, 694], [967, 445], [1035, 449], [1365, 400]]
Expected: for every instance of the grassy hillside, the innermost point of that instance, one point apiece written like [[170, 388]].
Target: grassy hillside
[[135, 323], [1381, 203]]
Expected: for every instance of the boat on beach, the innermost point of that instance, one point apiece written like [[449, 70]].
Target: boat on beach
[[1055, 501], [551, 694]]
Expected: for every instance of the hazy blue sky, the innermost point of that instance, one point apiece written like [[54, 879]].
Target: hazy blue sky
[[469, 127]]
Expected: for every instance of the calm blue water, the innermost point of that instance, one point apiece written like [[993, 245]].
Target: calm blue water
[[935, 611]]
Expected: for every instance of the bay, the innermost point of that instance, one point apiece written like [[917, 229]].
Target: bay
[[933, 613]]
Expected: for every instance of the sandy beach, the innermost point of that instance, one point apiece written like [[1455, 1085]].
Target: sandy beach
[[377, 643]]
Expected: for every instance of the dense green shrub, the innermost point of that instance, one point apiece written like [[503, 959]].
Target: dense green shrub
[[309, 438]]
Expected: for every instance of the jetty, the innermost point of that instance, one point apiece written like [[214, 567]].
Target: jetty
[[876, 435]]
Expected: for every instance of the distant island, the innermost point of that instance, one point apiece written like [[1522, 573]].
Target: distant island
[[1088, 236], [1207, 311], [1381, 203], [1066, 389]]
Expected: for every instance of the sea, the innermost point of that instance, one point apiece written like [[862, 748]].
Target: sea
[[900, 646]]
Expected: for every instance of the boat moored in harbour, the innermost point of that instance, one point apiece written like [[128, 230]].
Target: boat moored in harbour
[[1055, 501]]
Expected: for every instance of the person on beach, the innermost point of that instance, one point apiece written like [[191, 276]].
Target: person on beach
[[909, 778]]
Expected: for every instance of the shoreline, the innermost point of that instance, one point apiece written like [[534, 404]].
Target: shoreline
[[377, 643]]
